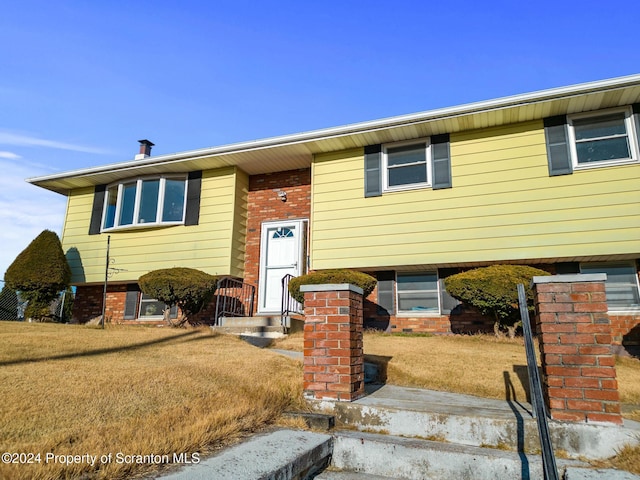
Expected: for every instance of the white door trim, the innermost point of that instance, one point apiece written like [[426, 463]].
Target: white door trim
[[295, 269]]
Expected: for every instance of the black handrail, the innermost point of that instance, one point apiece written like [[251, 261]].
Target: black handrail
[[537, 400], [234, 298], [288, 304]]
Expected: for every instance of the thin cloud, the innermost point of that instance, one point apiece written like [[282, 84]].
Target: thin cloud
[[25, 211], [10, 138], [9, 155]]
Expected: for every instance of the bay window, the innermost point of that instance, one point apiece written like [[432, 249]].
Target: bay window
[[145, 202]]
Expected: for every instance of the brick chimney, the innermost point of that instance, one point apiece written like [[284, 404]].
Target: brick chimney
[[145, 149]]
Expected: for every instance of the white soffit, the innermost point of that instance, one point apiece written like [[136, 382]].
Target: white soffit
[[289, 152]]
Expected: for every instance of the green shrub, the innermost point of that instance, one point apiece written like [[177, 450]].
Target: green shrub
[[493, 291], [366, 282], [188, 288], [39, 273]]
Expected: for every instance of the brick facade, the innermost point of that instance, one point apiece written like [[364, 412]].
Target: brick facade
[[625, 328], [577, 359], [333, 353], [264, 205]]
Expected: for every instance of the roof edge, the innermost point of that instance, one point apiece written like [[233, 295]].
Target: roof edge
[[357, 128]]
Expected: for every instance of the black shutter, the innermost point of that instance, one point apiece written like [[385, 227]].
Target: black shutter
[[194, 186], [96, 210], [131, 303], [563, 268], [558, 153], [636, 119], [386, 297], [373, 171], [441, 159]]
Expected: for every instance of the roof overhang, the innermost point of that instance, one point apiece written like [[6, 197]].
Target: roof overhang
[[289, 152]]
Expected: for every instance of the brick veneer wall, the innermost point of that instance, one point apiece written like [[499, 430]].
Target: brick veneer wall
[[87, 303], [264, 205], [625, 329], [576, 350], [333, 353]]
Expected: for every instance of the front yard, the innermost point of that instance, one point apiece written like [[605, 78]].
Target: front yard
[[129, 392], [126, 399]]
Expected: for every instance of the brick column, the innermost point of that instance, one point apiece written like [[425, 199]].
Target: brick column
[[333, 356], [579, 375]]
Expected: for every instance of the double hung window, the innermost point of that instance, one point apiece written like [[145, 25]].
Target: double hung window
[[406, 165], [145, 202], [604, 138]]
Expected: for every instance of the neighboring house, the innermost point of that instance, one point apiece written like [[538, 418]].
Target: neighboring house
[[549, 179]]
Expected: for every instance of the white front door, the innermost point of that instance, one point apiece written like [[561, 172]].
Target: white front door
[[282, 252]]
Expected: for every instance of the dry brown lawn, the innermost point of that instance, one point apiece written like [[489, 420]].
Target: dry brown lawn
[[481, 365], [74, 390]]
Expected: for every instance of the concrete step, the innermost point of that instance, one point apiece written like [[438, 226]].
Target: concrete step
[[257, 321], [278, 455], [473, 421], [416, 459], [336, 475]]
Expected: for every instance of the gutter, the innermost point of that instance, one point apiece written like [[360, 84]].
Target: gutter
[[360, 128]]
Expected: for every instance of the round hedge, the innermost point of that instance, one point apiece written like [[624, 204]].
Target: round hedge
[[188, 288], [366, 282], [493, 290]]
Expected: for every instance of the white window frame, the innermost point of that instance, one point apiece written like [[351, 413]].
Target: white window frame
[[632, 265], [138, 198], [409, 186], [632, 138], [418, 313]]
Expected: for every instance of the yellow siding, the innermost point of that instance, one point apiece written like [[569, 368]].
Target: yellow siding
[[503, 206], [239, 224], [213, 246]]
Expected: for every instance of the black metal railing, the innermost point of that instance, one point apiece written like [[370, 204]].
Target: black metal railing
[[288, 304], [234, 298], [537, 400]]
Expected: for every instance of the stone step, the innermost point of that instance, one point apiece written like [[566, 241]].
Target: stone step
[[415, 459], [279, 455], [473, 421]]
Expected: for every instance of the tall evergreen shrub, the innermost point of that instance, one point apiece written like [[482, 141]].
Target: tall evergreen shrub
[[39, 273]]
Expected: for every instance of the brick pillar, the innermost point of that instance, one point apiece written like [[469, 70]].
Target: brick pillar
[[579, 375], [333, 356]]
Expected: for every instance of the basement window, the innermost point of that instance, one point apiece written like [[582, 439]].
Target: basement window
[[621, 285], [417, 293]]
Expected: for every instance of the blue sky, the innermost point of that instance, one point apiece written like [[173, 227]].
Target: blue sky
[[82, 81]]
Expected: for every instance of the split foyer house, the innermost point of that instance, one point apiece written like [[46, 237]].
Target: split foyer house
[[550, 179]]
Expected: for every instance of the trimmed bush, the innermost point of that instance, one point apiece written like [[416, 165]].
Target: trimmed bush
[[493, 291], [39, 273], [366, 282], [190, 289]]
